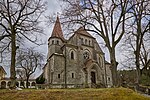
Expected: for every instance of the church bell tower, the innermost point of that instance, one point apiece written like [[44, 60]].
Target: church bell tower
[[56, 39]]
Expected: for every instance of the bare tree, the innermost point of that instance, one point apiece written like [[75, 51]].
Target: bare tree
[[103, 17], [145, 63], [19, 20], [21, 73], [29, 61], [139, 35]]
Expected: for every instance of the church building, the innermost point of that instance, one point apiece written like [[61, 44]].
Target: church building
[[77, 62]]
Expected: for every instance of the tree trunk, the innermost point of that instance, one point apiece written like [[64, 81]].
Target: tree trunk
[[13, 61], [138, 70], [27, 81], [139, 39], [114, 68]]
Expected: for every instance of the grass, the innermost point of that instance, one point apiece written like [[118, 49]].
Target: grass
[[72, 94]]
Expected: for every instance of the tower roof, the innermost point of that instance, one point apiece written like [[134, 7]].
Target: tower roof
[[57, 31]]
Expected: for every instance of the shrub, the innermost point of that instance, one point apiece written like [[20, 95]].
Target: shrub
[[145, 80], [40, 80]]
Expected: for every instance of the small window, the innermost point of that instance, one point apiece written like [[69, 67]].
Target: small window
[[108, 78], [86, 41], [89, 42], [72, 55], [57, 42], [58, 75], [81, 40], [72, 75], [52, 41]]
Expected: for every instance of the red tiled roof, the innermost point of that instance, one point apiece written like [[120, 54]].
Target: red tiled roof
[[57, 30], [82, 31]]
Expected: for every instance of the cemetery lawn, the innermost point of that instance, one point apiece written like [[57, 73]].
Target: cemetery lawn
[[71, 94]]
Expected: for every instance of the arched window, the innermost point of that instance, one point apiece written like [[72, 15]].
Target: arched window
[[72, 55], [3, 85], [100, 61], [85, 41], [52, 41], [8, 84], [33, 84], [72, 75], [81, 40], [89, 42], [58, 75], [57, 42]]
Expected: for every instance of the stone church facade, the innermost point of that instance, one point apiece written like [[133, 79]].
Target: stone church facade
[[77, 62]]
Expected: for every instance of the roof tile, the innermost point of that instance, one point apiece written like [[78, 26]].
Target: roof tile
[[57, 30]]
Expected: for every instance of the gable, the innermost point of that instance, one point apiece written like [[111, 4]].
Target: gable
[[83, 38]]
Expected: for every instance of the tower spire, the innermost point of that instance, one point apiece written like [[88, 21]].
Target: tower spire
[[57, 30]]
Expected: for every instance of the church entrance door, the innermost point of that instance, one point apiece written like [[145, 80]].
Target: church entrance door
[[93, 77]]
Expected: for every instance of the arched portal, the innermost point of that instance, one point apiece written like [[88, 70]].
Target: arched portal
[[8, 84], [3, 85], [33, 84], [94, 75]]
